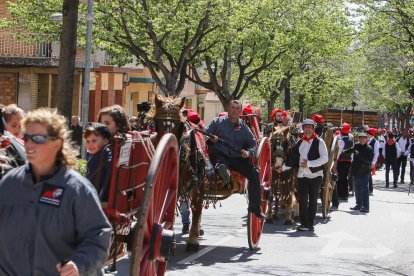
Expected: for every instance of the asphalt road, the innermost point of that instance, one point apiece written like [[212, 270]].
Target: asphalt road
[[346, 243]]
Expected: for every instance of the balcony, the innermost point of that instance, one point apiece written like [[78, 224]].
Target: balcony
[[14, 52]]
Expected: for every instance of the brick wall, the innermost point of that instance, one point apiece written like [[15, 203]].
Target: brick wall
[[3, 9], [8, 86]]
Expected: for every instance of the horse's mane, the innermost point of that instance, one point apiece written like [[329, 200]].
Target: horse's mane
[[285, 131], [162, 104]]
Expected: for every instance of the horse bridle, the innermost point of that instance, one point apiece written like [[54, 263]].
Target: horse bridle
[[169, 121]]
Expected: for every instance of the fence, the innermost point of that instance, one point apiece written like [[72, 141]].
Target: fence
[[10, 46]]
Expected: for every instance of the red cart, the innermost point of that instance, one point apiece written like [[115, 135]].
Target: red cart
[[142, 200]]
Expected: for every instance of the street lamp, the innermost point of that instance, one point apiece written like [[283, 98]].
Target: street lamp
[[85, 93], [353, 109]]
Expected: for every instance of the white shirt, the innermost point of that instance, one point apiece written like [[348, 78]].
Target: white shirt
[[303, 155], [376, 150], [402, 143]]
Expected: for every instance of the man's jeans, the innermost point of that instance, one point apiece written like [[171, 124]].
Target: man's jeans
[[362, 190]]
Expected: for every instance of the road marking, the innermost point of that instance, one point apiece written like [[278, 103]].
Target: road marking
[[197, 255], [333, 246]]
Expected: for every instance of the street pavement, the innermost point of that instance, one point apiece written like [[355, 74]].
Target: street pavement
[[346, 243]]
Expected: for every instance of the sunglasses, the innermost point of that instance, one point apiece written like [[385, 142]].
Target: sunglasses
[[38, 138]]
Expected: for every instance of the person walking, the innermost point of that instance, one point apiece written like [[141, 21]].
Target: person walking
[[374, 144], [235, 132], [344, 160], [309, 155], [76, 132], [404, 144], [51, 221], [391, 154], [361, 170]]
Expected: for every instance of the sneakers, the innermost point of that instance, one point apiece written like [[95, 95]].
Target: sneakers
[[305, 228], [224, 173], [355, 208], [364, 210], [395, 186]]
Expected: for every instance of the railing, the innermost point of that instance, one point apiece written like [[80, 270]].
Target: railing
[[10, 46]]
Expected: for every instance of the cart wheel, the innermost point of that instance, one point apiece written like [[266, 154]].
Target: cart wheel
[[327, 189], [153, 232], [326, 198], [254, 224]]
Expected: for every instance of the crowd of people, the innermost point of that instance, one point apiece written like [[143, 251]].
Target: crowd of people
[[38, 156]]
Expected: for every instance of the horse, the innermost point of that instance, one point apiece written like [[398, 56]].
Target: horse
[[284, 184], [197, 178], [167, 117]]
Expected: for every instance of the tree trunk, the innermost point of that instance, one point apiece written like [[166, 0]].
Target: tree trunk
[[68, 42], [301, 105], [271, 104], [408, 115], [287, 96]]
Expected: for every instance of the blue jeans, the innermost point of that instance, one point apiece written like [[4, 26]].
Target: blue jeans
[[362, 190], [185, 211]]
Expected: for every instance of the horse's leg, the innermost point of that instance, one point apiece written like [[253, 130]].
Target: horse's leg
[[197, 202], [269, 218], [288, 215], [276, 210], [296, 206]]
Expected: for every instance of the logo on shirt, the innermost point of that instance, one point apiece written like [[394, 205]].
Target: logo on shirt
[[237, 127], [51, 195]]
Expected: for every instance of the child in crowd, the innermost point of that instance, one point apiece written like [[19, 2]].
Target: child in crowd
[[98, 169], [10, 118], [115, 118], [13, 115]]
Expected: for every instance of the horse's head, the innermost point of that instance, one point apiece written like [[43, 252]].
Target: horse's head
[[280, 141], [166, 116]]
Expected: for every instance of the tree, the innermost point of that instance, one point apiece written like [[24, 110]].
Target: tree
[[312, 68], [68, 42], [32, 21], [165, 36], [387, 43], [252, 40]]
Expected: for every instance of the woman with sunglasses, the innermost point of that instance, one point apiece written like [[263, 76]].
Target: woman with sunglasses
[[51, 221]]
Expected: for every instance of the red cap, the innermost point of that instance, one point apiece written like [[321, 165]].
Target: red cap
[[248, 109], [273, 114], [372, 131], [318, 118], [337, 132], [193, 116], [345, 128]]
